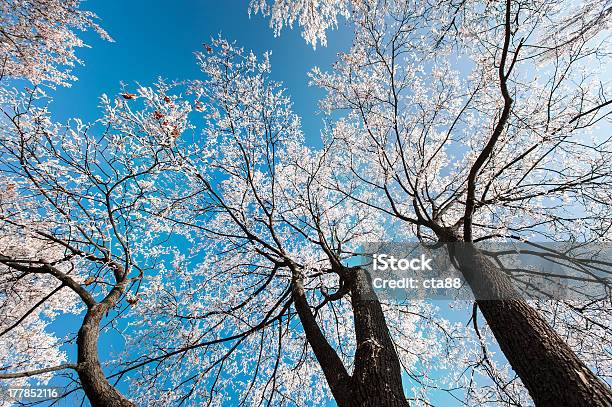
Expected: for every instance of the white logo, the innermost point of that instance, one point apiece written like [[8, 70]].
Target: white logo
[[384, 262]]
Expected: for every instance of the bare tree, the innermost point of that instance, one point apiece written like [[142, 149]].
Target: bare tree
[[74, 229], [491, 148]]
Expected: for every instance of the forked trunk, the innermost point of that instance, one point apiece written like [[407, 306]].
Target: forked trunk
[[376, 380]]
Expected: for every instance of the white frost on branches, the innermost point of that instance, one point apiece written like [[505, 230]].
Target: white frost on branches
[[315, 16], [38, 39]]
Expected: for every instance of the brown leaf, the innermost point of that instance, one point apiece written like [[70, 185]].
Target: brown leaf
[[132, 300], [129, 96]]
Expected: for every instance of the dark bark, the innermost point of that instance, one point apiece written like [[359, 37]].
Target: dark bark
[[550, 370], [97, 388], [376, 380], [93, 380], [547, 366], [335, 373]]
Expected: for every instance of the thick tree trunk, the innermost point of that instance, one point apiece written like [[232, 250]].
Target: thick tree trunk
[[547, 366], [376, 381], [377, 378], [97, 388]]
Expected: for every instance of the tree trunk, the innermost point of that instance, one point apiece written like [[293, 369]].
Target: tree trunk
[[335, 373], [377, 378], [97, 388], [547, 366], [376, 381]]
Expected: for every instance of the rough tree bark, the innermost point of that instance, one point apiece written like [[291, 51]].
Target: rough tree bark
[[547, 366], [95, 384], [97, 388], [376, 380], [377, 375]]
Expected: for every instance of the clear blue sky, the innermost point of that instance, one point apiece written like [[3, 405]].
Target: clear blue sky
[[157, 38]]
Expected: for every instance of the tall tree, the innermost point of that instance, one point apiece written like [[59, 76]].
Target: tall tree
[[468, 121], [278, 248], [76, 229]]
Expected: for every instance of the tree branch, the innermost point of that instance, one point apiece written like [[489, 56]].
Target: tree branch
[[39, 371]]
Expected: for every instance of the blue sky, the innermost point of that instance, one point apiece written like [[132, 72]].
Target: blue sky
[[156, 38]]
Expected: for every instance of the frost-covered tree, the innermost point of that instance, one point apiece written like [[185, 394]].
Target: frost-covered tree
[[317, 17], [224, 260], [471, 121], [267, 304], [28, 301], [38, 39], [75, 231], [194, 221]]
